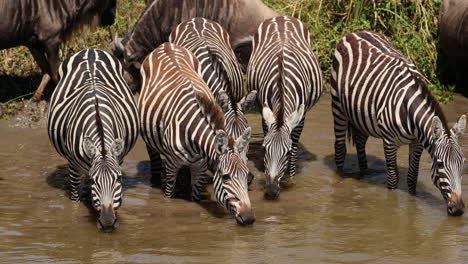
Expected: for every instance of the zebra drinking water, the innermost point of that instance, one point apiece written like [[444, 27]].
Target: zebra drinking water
[[219, 68], [182, 124], [287, 76], [93, 123], [377, 92]]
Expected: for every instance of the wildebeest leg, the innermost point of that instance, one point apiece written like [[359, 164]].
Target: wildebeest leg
[[390, 150], [157, 166], [75, 183], [53, 56], [414, 157], [295, 135], [360, 140], [39, 56], [198, 180]]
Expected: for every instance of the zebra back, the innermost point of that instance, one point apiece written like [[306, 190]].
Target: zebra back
[[283, 68], [218, 67], [91, 85]]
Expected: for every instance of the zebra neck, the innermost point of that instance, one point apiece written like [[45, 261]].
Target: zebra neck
[[426, 138], [206, 145]]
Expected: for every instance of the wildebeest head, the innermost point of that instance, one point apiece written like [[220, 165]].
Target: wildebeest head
[[104, 9]]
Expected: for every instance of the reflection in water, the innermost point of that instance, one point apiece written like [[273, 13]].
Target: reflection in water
[[321, 217]]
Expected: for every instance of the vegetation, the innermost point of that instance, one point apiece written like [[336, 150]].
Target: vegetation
[[411, 25]]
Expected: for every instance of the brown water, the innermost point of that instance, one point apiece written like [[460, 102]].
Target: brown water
[[323, 218]]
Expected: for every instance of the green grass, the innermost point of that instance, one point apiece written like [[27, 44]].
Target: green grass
[[411, 25]]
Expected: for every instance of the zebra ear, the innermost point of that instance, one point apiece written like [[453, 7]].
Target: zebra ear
[[221, 142], [248, 102], [436, 128], [295, 118], [117, 147], [268, 115], [242, 142], [223, 101], [88, 147], [459, 127]]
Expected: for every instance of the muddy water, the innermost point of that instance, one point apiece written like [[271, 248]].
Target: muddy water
[[322, 218]]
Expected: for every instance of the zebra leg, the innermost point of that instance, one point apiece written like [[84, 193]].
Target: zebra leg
[[360, 140], [390, 149], [169, 182], [198, 176], [340, 127], [157, 166], [414, 157], [295, 135], [75, 183]]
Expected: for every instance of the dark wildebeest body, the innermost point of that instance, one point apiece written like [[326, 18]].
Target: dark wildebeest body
[[239, 17], [41, 25], [453, 27]]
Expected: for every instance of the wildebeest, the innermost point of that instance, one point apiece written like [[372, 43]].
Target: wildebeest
[[41, 25], [453, 28], [239, 17]]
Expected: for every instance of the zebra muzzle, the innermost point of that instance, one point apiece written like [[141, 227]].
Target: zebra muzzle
[[272, 191], [107, 220], [455, 205], [243, 212]]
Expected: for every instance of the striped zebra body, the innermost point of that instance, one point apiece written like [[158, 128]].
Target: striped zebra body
[[183, 126], [93, 123], [377, 92], [219, 68], [287, 76]]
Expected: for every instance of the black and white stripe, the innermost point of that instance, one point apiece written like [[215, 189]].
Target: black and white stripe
[[219, 68], [287, 76], [377, 92], [183, 126], [93, 123]]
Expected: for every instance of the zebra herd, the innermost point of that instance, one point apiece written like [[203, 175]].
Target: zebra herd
[[190, 113]]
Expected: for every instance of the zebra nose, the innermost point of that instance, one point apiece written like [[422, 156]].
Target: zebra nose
[[107, 221], [245, 217], [272, 191], [455, 205]]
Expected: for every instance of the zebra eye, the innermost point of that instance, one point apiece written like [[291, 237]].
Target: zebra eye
[[226, 177], [440, 165]]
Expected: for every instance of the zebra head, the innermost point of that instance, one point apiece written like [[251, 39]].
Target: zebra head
[[106, 186], [277, 144], [235, 121], [447, 163], [230, 177]]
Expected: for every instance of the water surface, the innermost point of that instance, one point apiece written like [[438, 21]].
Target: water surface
[[322, 217]]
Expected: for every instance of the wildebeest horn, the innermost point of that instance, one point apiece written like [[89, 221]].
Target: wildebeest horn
[[118, 42]]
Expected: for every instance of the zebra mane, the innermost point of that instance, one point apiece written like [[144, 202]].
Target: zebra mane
[[211, 110], [431, 99], [280, 114], [100, 127]]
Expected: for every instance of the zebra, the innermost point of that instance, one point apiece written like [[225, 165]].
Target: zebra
[[219, 68], [183, 127], [377, 92], [93, 123], [286, 74]]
